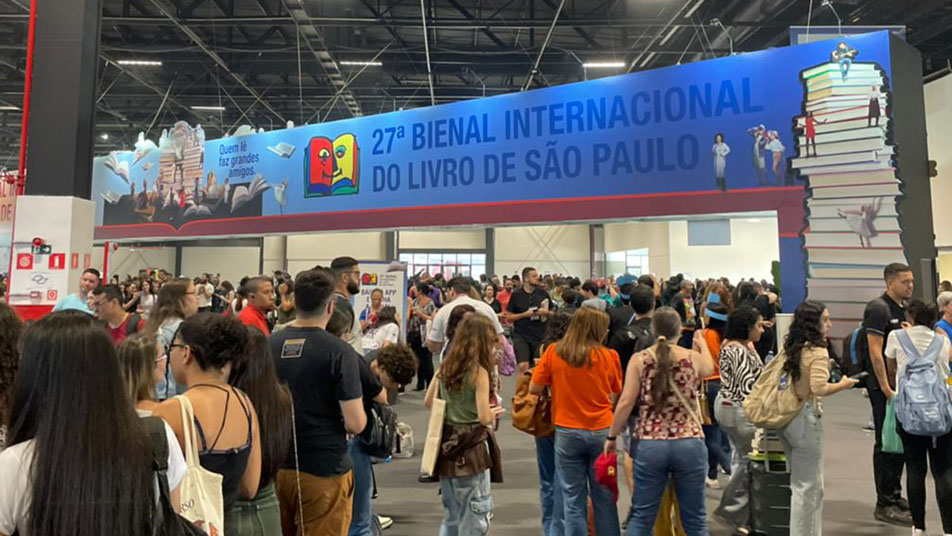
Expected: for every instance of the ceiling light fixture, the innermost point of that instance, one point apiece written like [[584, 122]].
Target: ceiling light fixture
[[669, 35], [209, 108], [140, 63], [363, 63], [9, 109], [604, 65], [104, 136], [693, 9]]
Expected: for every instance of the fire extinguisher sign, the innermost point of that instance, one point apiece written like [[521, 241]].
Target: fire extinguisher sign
[[58, 261]]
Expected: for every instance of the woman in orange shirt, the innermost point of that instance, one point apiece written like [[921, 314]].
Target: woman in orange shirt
[[718, 447], [585, 379]]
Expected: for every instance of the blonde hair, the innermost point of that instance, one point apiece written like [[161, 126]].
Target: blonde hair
[[136, 362], [587, 331]]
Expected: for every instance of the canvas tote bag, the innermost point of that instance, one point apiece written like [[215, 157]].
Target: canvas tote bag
[[434, 434], [201, 495]]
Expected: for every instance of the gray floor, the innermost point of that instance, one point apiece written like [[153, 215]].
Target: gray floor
[[848, 508]]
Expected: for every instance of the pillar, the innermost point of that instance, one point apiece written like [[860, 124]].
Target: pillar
[[56, 207]]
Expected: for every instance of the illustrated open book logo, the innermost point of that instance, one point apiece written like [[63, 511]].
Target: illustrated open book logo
[[331, 167]]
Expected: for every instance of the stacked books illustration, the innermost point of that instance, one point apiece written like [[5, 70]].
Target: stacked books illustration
[[846, 158]]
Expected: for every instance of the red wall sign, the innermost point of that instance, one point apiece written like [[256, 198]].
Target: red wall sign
[[58, 261], [87, 260], [74, 261], [24, 261]]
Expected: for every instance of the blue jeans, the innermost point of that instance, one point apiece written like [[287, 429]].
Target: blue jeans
[[717, 453], [361, 522], [656, 461], [575, 455], [466, 505], [550, 493]]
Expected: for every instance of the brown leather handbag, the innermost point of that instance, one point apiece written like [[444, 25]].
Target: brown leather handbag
[[532, 413]]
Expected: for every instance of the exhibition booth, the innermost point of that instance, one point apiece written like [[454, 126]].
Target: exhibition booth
[[825, 141]]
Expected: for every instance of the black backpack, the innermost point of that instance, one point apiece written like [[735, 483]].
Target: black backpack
[[166, 522], [379, 438], [629, 340], [852, 359]]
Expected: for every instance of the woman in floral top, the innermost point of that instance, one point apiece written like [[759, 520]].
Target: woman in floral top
[[664, 381]]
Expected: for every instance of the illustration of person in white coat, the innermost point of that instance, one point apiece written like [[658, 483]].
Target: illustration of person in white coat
[[720, 150]]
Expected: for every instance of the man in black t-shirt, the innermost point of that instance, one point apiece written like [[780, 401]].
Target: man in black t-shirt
[[323, 374], [528, 306], [882, 316]]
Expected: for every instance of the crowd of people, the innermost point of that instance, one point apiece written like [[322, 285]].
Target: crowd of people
[[273, 390]]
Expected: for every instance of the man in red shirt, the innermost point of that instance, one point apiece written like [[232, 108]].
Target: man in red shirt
[[107, 306], [260, 292]]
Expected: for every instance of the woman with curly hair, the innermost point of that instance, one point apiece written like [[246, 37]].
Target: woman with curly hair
[[204, 350], [807, 362], [463, 381], [10, 329]]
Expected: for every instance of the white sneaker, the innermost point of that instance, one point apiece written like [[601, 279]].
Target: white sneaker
[[917, 532], [385, 522], [713, 483]]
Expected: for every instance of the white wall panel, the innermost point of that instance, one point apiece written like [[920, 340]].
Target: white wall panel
[[938, 98], [306, 251], [443, 240], [754, 245], [232, 263], [549, 249]]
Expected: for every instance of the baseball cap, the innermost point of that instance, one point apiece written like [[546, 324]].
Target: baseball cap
[[626, 279], [606, 472]]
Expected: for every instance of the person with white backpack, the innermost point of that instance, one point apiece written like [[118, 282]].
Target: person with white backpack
[[918, 359]]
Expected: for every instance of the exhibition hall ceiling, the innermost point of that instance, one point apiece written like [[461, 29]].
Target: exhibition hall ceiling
[[225, 63]]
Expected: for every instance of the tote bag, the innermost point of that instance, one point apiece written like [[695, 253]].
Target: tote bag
[[434, 434], [201, 495]]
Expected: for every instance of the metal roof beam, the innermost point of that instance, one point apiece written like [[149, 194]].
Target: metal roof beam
[[315, 42]]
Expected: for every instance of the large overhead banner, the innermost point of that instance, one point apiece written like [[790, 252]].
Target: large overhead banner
[[738, 133]]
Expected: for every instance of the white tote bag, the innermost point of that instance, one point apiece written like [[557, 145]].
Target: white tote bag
[[434, 434], [200, 490]]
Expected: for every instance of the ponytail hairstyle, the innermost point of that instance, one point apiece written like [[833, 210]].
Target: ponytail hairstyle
[[804, 332], [666, 323]]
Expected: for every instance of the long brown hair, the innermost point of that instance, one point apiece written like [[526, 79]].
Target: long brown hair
[[169, 303], [137, 355], [586, 333], [666, 324], [474, 344]]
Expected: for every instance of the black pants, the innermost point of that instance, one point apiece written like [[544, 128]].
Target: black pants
[[424, 357], [939, 453], [887, 468]]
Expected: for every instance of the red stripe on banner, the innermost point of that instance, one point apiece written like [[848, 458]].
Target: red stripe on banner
[[786, 200]]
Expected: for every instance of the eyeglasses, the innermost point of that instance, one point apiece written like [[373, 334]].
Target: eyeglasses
[[168, 349]]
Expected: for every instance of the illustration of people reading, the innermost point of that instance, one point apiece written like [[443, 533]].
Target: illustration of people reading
[[844, 56], [759, 133], [861, 221], [809, 132], [874, 95], [775, 146], [720, 150]]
